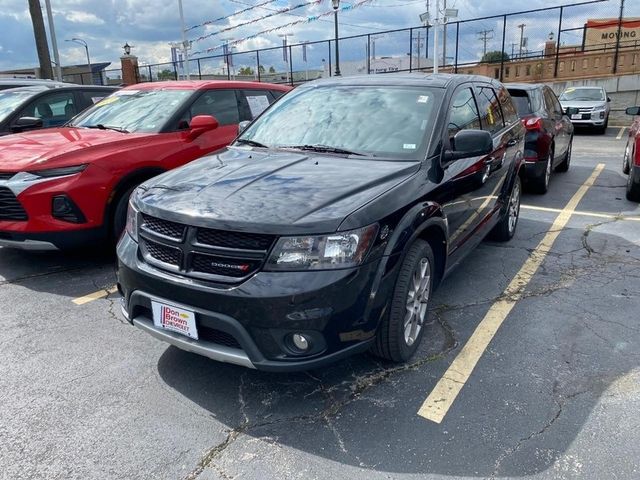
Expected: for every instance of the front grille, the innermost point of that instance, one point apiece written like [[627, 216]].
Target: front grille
[[247, 241], [217, 336], [6, 176], [163, 227], [163, 253], [218, 255], [10, 207]]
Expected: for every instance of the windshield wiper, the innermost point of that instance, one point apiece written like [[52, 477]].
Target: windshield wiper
[[100, 126], [251, 143], [323, 149]]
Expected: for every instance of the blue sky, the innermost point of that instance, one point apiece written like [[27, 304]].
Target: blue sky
[[150, 25]]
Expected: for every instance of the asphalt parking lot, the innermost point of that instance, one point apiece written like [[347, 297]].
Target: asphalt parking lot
[[530, 367]]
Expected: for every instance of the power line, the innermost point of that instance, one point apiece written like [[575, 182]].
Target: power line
[[239, 2], [225, 17]]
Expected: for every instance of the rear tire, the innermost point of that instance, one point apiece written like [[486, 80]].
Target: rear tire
[[541, 184], [625, 160], [401, 330], [566, 161], [506, 227], [119, 218]]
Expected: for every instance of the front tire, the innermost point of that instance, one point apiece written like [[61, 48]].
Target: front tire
[[633, 185], [119, 218], [401, 330], [506, 227]]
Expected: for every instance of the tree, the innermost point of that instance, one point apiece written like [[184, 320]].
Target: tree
[[272, 70], [495, 57], [246, 71], [261, 69], [166, 74]]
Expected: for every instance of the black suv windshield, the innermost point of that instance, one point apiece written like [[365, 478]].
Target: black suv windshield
[[134, 110], [379, 121]]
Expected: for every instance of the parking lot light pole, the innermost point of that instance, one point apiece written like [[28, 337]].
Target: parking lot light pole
[[336, 6], [79, 41]]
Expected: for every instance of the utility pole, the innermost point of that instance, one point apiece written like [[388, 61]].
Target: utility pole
[[418, 48], [615, 57], [444, 34], [185, 42], [54, 43], [485, 35], [436, 26], [513, 50], [521, 27], [40, 35]]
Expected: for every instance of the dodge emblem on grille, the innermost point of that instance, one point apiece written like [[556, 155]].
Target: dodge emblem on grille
[[242, 268]]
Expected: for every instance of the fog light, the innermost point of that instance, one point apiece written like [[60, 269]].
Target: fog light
[[300, 342], [63, 208]]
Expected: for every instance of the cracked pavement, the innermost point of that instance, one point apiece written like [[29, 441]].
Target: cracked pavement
[[555, 395]]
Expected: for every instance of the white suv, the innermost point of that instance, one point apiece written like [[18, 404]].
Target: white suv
[[592, 104]]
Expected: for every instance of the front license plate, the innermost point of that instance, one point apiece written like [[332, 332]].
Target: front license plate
[[168, 317], [576, 116]]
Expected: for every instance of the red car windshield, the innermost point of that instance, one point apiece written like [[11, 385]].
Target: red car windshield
[[145, 111]]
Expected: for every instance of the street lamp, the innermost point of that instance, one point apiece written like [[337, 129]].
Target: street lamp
[[79, 41], [336, 5], [127, 49]]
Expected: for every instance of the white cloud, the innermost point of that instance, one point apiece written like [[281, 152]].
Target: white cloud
[[77, 16]]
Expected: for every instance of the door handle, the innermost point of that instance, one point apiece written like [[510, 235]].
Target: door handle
[[513, 142]]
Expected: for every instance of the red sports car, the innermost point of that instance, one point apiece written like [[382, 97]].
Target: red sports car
[[69, 186], [631, 162]]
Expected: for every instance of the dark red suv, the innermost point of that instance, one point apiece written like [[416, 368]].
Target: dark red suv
[[68, 186]]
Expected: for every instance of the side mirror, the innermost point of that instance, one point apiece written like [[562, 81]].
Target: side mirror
[[633, 111], [572, 111], [469, 143], [608, 99], [26, 123], [201, 124], [242, 126]]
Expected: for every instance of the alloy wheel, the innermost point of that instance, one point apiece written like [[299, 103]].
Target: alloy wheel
[[547, 173], [417, 301]]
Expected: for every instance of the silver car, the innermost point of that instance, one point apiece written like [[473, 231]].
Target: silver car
[[592, 104]]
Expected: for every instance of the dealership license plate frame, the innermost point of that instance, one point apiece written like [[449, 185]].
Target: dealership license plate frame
[[174, 319]]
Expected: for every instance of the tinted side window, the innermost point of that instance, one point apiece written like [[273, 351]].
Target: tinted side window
[[463, 113], [222, 104], [508, 108], [254, 102], [489, 107], [54, 109], [552, 101]]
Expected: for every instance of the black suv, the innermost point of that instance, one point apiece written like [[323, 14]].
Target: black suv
[[324, 228]]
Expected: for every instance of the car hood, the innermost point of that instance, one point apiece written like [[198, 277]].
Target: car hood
[[60, 147], [276, 191], [582, 104]]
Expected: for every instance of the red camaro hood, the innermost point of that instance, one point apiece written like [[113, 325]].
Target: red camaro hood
[[60, 147]]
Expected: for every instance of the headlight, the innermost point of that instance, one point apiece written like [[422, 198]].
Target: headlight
[[132, 221], [59, 172], [337, 250], [599, 108]]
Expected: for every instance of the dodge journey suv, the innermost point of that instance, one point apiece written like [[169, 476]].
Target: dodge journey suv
[[324, 228]]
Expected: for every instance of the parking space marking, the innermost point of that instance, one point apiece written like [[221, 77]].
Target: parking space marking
[[619, 137], [608, 216], [95, 295], [441, 398]]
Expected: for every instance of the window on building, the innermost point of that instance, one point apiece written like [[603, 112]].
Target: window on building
[[585, 63], [634, 61], [596, 62], [561, 67], [609, 61], [621, 62], [496, 73], [573, 65], [528, 70], [517, 71], [507, 71]]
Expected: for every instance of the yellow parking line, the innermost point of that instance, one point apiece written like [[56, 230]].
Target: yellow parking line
[[440, 400], [619, 137], [610, 216], [95, 295]]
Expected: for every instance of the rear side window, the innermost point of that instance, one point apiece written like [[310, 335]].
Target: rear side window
[[522, 102], [552, 101], [463, 113], [254, 102], [54, 109], [490, 112], [222, 104], [508, 108]]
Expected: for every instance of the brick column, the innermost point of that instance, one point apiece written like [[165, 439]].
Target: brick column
[[130, 74]]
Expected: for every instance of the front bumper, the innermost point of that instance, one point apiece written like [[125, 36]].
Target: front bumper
[[248, 324], [62, 240]]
